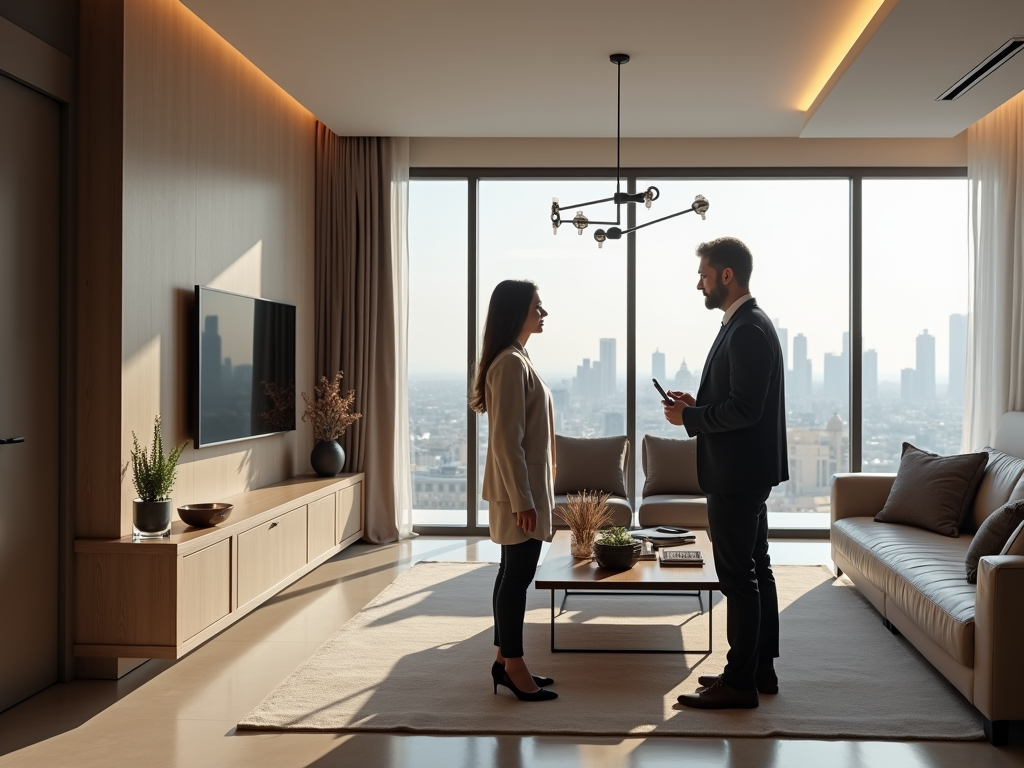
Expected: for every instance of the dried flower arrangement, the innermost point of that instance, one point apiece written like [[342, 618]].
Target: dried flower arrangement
[[585, 513], [328, 411], [154, 473]]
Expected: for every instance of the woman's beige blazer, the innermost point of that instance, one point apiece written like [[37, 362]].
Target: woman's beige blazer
[[519, 472]]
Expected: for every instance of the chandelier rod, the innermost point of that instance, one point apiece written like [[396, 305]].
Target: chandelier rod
[[618, 127]]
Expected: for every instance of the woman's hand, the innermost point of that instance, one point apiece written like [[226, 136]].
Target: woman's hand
[[527, 520]]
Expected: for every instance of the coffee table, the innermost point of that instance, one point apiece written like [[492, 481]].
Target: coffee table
[[560, 570]]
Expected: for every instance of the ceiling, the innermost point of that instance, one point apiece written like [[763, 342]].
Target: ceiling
[[539, 68]]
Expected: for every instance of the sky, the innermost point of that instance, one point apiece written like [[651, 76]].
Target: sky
[[915, 267]]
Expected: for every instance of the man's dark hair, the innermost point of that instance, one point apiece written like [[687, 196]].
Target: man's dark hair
[[729, 252]]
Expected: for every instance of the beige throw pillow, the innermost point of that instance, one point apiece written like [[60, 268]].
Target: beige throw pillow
[[933, 492], [590, 464], [994, 535], [670, 466]]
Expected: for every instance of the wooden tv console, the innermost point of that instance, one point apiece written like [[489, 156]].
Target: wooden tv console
[[161, 599]]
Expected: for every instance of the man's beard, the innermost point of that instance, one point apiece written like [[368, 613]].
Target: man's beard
[[717, 296]]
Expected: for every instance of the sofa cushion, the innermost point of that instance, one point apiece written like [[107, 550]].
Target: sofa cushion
[[686, 510], [933, 492], [591, 464], [921, 573], [622, 513], [670, 466], [993, 535], [1003, 474]]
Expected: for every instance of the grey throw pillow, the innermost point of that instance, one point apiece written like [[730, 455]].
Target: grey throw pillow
[[933, 492], [993, 535], [670, 466], [590, 464]]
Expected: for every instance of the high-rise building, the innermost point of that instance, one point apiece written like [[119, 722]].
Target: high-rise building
[[586, 385], [924, 377], [614, 424], [869, 375], [783, 335], [801, 375], [908, 384], [608, 372], [836, 378], [957, 357], [658, 366]]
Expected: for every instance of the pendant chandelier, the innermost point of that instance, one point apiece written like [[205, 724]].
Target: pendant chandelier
[[581, 222]]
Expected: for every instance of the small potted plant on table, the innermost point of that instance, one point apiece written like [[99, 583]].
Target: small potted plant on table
[[585, 513], [153, 474], [616, 550]]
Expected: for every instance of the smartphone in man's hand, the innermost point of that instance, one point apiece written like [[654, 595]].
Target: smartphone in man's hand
[[662, 392]]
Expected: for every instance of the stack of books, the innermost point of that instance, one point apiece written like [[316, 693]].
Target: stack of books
[[683, 557]]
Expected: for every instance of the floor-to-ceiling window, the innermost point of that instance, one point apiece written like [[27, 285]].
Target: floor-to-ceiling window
[[581, 354], [916, 275], [809, 233], [798, 231], [438, 301]]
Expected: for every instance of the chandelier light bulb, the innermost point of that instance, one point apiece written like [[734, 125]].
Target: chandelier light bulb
[[580, 222], [700, 206]]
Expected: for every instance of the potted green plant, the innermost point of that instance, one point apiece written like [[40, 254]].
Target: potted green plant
[[330, 414], [616, 550], [153, 475]]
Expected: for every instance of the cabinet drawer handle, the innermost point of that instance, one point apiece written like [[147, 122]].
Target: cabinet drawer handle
[[273, 525]]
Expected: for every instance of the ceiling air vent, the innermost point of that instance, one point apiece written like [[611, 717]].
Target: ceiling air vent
[[1003, 54]]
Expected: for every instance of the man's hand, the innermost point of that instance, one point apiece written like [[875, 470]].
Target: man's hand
[[674, 412], [527, 520]]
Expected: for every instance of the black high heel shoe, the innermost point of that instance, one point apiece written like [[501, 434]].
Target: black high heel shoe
[[500, 677], [540, 682]]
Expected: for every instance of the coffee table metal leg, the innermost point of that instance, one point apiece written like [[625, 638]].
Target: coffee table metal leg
[[552, 621], [711, 619]]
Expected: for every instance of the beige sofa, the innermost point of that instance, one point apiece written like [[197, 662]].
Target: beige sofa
[[973, 634]]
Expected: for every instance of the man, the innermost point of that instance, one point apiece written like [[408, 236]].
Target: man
[[739, 419]]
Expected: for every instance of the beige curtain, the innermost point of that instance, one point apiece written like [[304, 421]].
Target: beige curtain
[[356, 294], [995, 352]]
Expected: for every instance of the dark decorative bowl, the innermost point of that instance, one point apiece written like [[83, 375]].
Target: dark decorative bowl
[[617, 557], [205, 515]]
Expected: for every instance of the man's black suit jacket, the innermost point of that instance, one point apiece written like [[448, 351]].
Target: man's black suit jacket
[[740, 416]]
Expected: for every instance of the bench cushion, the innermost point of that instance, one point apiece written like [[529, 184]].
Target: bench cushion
[[922, 573], [686, 510]]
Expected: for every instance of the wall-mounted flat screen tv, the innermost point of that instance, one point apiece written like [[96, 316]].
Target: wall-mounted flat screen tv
[[244, 381]]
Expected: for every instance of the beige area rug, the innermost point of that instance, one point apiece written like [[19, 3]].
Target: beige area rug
[[417, 659]]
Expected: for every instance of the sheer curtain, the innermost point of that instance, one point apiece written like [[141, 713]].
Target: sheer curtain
[[361, 269], [400, 272], [995, 356]]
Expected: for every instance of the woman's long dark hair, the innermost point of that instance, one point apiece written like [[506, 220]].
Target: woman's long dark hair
[[506, 316]]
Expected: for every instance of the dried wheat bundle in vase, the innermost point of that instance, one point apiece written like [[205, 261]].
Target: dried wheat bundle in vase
[[585, 513]]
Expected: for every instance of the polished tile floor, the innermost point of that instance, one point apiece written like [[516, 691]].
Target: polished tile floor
[[183, 713]]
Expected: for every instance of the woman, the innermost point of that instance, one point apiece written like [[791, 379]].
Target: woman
[[518, 474]]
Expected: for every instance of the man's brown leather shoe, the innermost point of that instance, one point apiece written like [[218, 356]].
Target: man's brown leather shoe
[[718, 695], [766, 682]]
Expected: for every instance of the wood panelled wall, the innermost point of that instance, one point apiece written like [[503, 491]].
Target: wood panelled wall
[[217, 189]]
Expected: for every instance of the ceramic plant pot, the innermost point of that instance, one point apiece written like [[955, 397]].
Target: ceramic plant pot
[[327, 458], [617, 557]]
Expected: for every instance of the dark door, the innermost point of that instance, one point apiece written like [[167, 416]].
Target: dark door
[[29, 391]]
